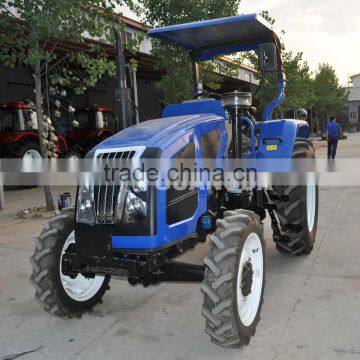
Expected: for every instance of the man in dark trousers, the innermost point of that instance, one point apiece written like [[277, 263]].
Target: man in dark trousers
[[333, 133]]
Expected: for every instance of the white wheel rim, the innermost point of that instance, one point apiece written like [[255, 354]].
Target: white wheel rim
[[32, 154], [248, 305], [80, 288], [311, 204]]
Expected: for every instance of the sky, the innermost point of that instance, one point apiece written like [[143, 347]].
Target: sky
[[324, 30]]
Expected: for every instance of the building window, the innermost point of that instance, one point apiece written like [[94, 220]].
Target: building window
[[126, 36]]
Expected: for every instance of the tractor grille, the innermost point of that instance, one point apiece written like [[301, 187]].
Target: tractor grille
[[106, 196]]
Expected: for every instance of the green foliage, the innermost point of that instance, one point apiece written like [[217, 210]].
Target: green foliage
[[177, 83], [35, 32], [330, 97], [299, 88]]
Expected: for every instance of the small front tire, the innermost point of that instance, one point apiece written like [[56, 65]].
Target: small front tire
[[59, 294]]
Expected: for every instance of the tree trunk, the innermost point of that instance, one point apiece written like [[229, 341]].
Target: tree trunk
[[39, 114]]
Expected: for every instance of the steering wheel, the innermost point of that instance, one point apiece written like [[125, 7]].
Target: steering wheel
[[207, 93]]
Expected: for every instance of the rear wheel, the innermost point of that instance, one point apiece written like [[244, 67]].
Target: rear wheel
[[26, 149], [75, 152], [297, 209], [60, 294], [234, 280]]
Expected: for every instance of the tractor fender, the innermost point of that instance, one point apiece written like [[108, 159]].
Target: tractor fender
[[61, 145], [276, 138], [18, 136]]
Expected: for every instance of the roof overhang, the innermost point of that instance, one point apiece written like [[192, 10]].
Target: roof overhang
[[212, 38]]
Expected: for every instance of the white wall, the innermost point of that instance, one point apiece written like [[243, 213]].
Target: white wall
[[356, 81]]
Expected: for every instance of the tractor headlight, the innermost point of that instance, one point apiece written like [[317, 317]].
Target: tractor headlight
[[135, 206], [85, 211]]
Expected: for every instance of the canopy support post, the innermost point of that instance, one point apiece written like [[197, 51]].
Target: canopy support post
[[197, 86]]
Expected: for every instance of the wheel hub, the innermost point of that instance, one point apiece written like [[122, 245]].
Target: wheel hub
[[77, 286], [247, 279]]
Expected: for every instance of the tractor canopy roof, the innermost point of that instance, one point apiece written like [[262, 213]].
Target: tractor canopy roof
[[212, 38]]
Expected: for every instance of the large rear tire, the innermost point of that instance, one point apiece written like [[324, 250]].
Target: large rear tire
[[75, 152], [297, 209], [59, 294], [234, 280], [24, 149]]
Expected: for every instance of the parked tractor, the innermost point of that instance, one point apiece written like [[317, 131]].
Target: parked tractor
[[138, 230], [19, 137], [95, 124]]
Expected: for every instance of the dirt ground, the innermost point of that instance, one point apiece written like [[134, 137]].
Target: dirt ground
[[311, 307]]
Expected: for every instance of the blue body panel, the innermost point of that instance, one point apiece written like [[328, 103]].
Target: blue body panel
[[206, 106], [185, 123], [282, 133], [167, 234], [157, 133]]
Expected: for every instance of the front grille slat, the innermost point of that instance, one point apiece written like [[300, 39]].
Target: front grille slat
[[107, 195]]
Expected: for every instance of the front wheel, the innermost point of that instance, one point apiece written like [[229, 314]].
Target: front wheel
[[234, 279], [60, 294]]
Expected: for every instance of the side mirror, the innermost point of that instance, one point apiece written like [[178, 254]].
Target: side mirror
[[267, 57]]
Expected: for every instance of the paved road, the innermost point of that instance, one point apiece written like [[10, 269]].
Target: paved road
[[311, 307]]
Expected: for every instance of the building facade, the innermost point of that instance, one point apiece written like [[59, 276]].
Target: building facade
[[18, 84], [354, 101]]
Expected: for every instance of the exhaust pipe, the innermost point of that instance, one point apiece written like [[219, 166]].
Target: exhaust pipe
[[122, 92]]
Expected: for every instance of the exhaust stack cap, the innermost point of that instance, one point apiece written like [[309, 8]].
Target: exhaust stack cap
[[237, 99]]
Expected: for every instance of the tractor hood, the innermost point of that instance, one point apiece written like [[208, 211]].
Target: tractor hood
[[156, 133]]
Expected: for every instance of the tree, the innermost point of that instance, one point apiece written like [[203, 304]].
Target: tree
[[177, 82], [330, 98], [299, 87], [34, 33]]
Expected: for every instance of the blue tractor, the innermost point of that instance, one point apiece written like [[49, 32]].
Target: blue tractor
[[136, 231]]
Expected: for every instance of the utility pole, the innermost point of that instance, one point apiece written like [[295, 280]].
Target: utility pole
[[2, 196], [136, 98], [122, 92]]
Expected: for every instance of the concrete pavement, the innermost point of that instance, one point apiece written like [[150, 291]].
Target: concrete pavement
[[311, 307]]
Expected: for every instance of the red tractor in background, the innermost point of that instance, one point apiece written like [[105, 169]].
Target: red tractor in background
[[19, 137], [94, 124]]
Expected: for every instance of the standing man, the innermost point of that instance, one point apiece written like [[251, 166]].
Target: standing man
[[333, 133]]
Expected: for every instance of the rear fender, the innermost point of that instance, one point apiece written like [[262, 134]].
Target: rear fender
[[10, 138], [276, 138], [61, 145]]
